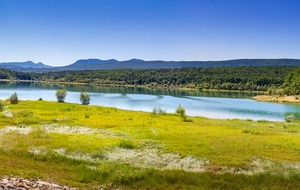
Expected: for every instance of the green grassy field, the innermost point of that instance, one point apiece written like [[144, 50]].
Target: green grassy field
[[85, 146]]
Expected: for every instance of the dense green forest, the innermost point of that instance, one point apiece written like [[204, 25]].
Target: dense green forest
[[291, 85], [13, 75], [221, 78]]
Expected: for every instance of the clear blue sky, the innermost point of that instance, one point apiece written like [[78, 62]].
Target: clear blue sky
[[58, 32]]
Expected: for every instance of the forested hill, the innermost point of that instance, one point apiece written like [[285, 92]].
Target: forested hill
[[13, 75], [97, 64], [225, 78]]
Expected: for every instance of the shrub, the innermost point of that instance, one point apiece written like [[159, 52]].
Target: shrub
[[126, 144], [253, 132], [290, 118], [61, 95], [181, 111], [84, 98], [23, 113], [262, 121], [1, 105], [13, 99], [158, 111], [25, 117]]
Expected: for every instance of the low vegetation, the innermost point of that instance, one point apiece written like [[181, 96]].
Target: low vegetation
[[158, 111], [137, 150], [1, 105], [289, 117]]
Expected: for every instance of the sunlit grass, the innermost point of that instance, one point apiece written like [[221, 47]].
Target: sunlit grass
[[224, 143]]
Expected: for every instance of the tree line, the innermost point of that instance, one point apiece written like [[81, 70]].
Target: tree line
[[291, 85], [220, 78]]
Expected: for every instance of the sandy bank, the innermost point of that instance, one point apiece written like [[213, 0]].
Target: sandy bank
[[284, 99]]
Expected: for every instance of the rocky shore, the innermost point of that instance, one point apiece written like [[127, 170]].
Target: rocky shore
[[16, 183]]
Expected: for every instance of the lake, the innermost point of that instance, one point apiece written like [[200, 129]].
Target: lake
[[220, 105]]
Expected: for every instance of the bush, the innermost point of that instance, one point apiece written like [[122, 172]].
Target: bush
[[13, 99], [84, 98], [126, 144], [1, 105], [158, 111], [181, 111], [290, 118], [25, 117], [61, 95]]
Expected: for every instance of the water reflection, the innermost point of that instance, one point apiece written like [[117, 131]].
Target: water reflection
[[223, 105], [124, 90]]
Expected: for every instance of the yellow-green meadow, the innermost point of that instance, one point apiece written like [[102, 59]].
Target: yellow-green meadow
[[85, 146]]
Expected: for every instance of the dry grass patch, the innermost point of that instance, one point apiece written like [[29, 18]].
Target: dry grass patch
[[24, 130]]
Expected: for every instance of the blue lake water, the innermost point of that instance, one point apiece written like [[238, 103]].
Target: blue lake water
[[221, 105]]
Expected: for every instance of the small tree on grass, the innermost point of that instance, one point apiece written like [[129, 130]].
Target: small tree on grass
[[84, 98], [181, 111], [61, 95], [13, 99], [158, 111]]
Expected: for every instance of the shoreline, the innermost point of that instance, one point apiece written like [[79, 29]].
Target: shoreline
[[279, 99], [183, 88], [261, 98]]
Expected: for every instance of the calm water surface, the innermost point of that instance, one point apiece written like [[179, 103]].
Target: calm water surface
[[222, 105]]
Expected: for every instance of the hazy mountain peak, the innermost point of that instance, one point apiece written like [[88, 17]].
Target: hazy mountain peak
[[135, 60], [26, 64], [92, 61]]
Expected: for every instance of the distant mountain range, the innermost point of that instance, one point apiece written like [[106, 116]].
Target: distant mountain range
[[19, 66], [97, 64]]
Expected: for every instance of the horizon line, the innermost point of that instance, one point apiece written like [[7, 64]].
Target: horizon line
[[233, 59]]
